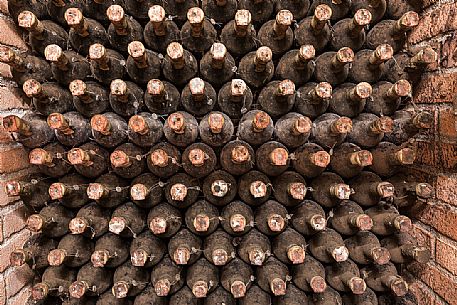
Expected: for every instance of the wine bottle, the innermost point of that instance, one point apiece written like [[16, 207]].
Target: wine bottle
[[261, 10], [110, 251], [293, 129], [202, 218], [164, 160], [392, 32], [367, 298], [236, 278], [48, 98], [387, 97], [52, 221], [106, 64], [216, 129], [123, 29], [90, 160], [70, 191], [333, 67], [369, 189], [345, 277], [255, 295], [108, 129], [395, 9], [127, 160], [254, 248], [108, 298], [218, 248], [403, 248], [271, 218], [50, 160], [368, 129], [84, 32], [237, 218], [179, 9], [66, 66], [67, 254], [237, 157], [348, 160], [197, 34], [407, 123], [330, 129], [387, 220], [127, 220], [198, 97], [146, 190], [309, 276], [217, 66], [15, 7], [164, 220], [315, 30], [364, 248], [42, 32], [129, 280], [238, 35], [160, 31], [145, 129], [310, 160], [57, 8], [293, 296], [277, 34], [368, 65], [71, 128], [184, 247], [235, 98], [308, 218], [388, 158], [221, 11], [385, 278], [33, 253], [199, 160], [272, 276], [183, 297], [167, 277], [349, 99], [277, 98], [289, 247], [219, 296], [329, 189], [146, 250], [255, 127], [377, 8], [181, 129], [24, 66], [55, 281], [350, 32], [254, 188], [32, 191], [219, 188], [179, 65], [125, 98], [256, 68], [91, 221], [408, 193], [89, 98], [297, 65], [96, 9], [142, 65], [90, 281], [327, 297], [108, 190], [272, 158], [348, 218], [312, 99], [327, 246], [289, 188], [139, 8], [161, 97]]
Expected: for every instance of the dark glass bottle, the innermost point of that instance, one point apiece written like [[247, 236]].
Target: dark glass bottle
[[368, 129], [30, 130], [202, 277], [327, 247], [350, 99], [217, 66], [410, 194], [329, 189], [377, 8], [90, 281], [312, 99], [272, 277], [308, 218], [235, 98], [91, 221], [50, 160], [403, 248], [297, 65], [309, 276], [198, 97], [48, 98], [108, 129], [125, 98], [237, 218], [181, 129], [197, 34], [55, 281], [255, 295], [142, 65], [67, 254], [407, 123], [348, 160], [236, 277], [277, 98], [221, 11], [32, 191], [182, 190], [237, 157], [184, 247], [255, 127], [160, 31], [179, 9], [139, 8], [145, 129], [127, 160], [293, 129], [385, 278], [216, 129], [239, 36], [315, 30], [164, 160], [106, 64], [179, 65], [256, 68], [330, 130], [110, 251], [368, 65], [90, 160], [146, 190], [89, 98], [96, 9], [345, 277], [202, 218], [129, 280], [254, 248], [33, 253], [161, 97], [184, 296], [254, 188], [369, 189], [71, 128], [108, 190], [15, 7], [364, 248], [350, 32], [388, 158], [52, 221], [127, 220], [123, 29], [261, 10], [146, 250], [348, 218], [57, 8], [167, 278], [387, 97], [277, 34], [271, 218], [70, 191], [272, 158], [218, 248], [333, 67], [164, 220], [289, 247], [219, 188], [289, 188], [310, 160], [387, 220]]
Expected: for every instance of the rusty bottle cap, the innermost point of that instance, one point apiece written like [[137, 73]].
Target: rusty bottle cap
[[340, 254], [341, 191], [18, 257], [363, 222], [297, 190], [401, 88], [28, 21], [175, 52], [158, 225], [78, 289], [96, 191], [407, 22], [302, 125], [156, 87], [139, 257], [286, 88], [56, 257], [119, 159], [138, 125], [13, 188], [78, 88], [263, 56], [320, 158], [137, 51], [237, 223], [424, 190], [318, 284], [256, 256], [342, 57], [76, 21], [238, 89], [385, 189], [405, 156], [361, 158], [216, 122], [296, 254], [162, 287], [362, 18], [360, 91], [58, 122], [423, 120], [117, 224], [177, 122], [380, 255], [195, 17], [101, 124], [160, 158], [78, 156], [57, 191], [55, 54], [35, 222], [258, 189], [278, 286], [181, 256], [240, 154], [260, 121], [425, 56], [341, 125], [78, 225], [156, 15], [201, 223], [197, 157], [39, 156], [116, 16], [283, 21], [398, 286], [220, 257], [40, 291], [357, 285], [318, 222], [120, 289], [119, 89], [99, 258], [322, 91], [322, 15], [238, 289], [382, 54], [402, 224], [197, 88], [218, 54], [178, 192], [306, 53], [383, 124], [7, 55], [32, 88], [97, 53], [139, 192], [200, 289], [276, 222], [242, 22], [219, 188]]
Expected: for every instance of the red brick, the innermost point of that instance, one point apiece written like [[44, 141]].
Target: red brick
[[5, 70], [16, 241], [448, 52], [2, 292], [17, 279], [1, 231], [436, 88], [4, 6], [447, 155], [424, 236], [438, 155], [446, 186], [13, 159], [441, 217], [11, 98], [440, 20], [14, 221], [447, 125], [424, 295], [426, 153], [5, 136], [9, 34], [21, 298], [446, 254]]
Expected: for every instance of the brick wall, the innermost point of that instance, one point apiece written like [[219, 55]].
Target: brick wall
[[436, 223]]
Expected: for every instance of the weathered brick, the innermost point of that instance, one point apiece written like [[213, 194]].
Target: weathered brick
[[439, 20], [446, 254], [17, 279], [448, 51], [5, 70], [2, 291], [13, 159], [424, 295], [424, 236], [14, 242], [1, 231], [447, 125], [11, 98], [4, 6], [446, 186], [441, 217], [438, 155], [5, 136], [436, 88], [15, 220], [21, 298], [9, 34]]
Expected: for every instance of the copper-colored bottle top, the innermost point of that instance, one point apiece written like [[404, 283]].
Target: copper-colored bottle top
[[57, 191], [53, 52], [117, 225], [200, 289], [302, 125], [284, 17], [119, 159], [261, 121], [78, 289], [403, 224], [409, 19], [95, 191], [424, 120], [307, 52], [32, 87], [318, 222], [219, 257], [195, 15], [197, 86], [363, 90], [383, 124], [357, 285], [402, 88], [219, 188], [362, 158], [399, 287], [297, 190], [341, 191], [73, 16], [320, 158], [18, 258], [218, 51], [155, 87], [406, 156], [362, 17], [238, 87], [264, 54], [99, 258], [39, 156], [77, 156], [158, 225], [243, 17], [160, 158], [13, 188], [176, 122], [296, 254], [286, 87], [175, 50], [97, 51], [35, 222], [424, 190], [216, 122], [181, 256], [258, 189], [257, 257], [12, 123], [323, 12], [381, 256], [139, 191], [385, 189], [118, 87], [120, 290], [27, 20], [340, 254], [57, 121], [100, 123], [56, 257], [238, 289], [197, 157], [40, 291], [427, 56], [240, 154], [279, 156], [139, 257], [201, 223], [318, 284], [156, 13], [383, 52], [178, 192], [364, 222], [238, 223], [138, 124], [136, 49], [115, 13], [323, 90], [78, 225], [162, 287], [7, 55], [278, 286], [342, 125], [77, 87], [276, 222], [345, 55]]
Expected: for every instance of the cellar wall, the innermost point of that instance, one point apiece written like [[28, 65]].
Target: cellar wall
[[436, 224]]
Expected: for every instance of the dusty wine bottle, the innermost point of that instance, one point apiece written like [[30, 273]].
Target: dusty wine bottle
[[297, 65], [272, 276], [219, 188], [127, 160], [310, 160], [404, 248], [142, 65], [71, 128], [293, 296], [255, 127], [237, 157], [387, 97], [184, 296], [409, 193], [197, 34], [293, 129], [216, 129], [272, 158], [106, 64], [348, 160], [277, 34], [52, 221], [340, 8], [108, 298], [312, 99], [90, 160], [109, 129], [217, 66], [369, 189], [15, 7], [164, 220], [377, 8], [261, 10], [255, 295], [145, 129], [55, 281], [32, 191], [237, 218], [328, 247], [407, 123], [271, 218], [308, 218], [146, 250], [219, 296], [330, 129], [236, 278], [345, 277], [108, 190], [91, 221], [57, 8], [161, 97], [239, 36], [385, 278], [348, 218], [160, 31], [181, 129], [198, 160], [198, 97], [70, 191], [387, 220], [125, 98], [146, 190], [149, 295], [129, 280], [218, 248], [315, 30], [349, 99], [202, 218], [364, 248], [367, 298], [164, 160], [235, 98], [89, 98], [329, 189], [334, 67], [289, 188], [167, 278], [123, 29], [350, 32], [368, 65], [90, 281], [309, 276], [179, 65], [328, 297], [48, 98], [33, 253], [289, 247], [256, 68], [254, 248], [388, 158], [110, 251], [50, 160], [184, 247], [127, 220], [67, 254], [179, 9], [96, 9], [221, 11], [254, 188], [277, 97], [368, 129]]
